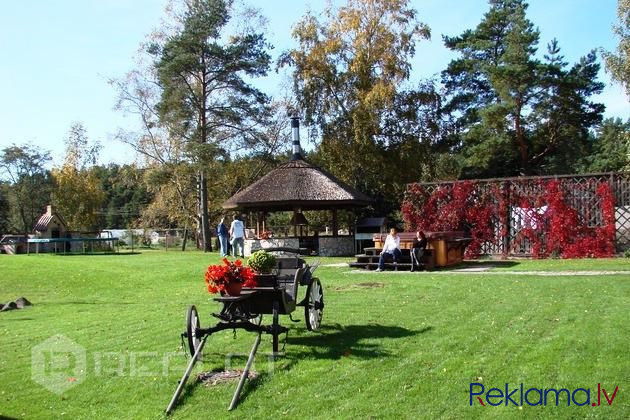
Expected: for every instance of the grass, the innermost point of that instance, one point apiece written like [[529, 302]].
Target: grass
[[403, 345], [583, 264]]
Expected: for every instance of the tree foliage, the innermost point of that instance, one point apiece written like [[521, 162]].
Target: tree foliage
[[28, 184], [78, 195], [5, 208], [515, 113], [205, 98], [611, 147], [618, 63], [348, 70], [126, 195]]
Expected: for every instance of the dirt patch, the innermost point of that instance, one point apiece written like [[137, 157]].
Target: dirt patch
[[371, 285], [216, 378]]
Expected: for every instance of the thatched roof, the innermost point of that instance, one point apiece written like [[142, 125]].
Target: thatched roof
[[295, 184]]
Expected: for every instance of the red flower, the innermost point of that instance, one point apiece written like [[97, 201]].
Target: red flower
[[217, 277]]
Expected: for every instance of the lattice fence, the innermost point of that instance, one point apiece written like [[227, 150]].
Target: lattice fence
[[519, 205]]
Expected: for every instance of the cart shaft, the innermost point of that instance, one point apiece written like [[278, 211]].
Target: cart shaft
[[248, 366], [182, 381]]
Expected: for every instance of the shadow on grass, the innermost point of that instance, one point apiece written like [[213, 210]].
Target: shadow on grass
[[336, 341], [250, 386], [480, 264], [330, 342]]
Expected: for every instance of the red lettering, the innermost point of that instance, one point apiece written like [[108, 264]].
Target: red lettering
[[485, 405], [606, 395]]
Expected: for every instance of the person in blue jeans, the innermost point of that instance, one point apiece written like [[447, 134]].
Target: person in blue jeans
[[237, 233], [391, 248], [222, 233]]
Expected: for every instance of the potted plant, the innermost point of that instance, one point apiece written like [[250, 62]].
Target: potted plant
[[263, 263], [229, 277]]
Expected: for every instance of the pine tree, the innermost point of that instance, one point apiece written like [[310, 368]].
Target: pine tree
[[205, 99], [514, 113]]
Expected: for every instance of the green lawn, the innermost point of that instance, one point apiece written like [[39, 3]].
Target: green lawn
[[404, 345], [583, 264]]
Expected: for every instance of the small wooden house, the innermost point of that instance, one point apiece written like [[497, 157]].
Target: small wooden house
[[50, 225]]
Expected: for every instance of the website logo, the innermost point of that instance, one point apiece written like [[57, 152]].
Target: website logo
[[521, 396]]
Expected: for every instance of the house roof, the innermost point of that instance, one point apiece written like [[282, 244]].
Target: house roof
[[45, 219], [297, 184]]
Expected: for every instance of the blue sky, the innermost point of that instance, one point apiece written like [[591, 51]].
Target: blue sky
[[56, 56]]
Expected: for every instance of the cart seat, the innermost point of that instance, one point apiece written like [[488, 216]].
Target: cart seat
[[286, 268]]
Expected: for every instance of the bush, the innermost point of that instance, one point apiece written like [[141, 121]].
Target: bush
[[262, 262]]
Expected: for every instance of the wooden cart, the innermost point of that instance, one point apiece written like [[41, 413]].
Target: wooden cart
[[275, 295]]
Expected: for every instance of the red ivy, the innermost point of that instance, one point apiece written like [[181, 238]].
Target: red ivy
[[220, 275], [483, 211], [459, 206]]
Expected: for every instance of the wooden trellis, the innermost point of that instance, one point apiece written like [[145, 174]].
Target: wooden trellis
[[520, 200]]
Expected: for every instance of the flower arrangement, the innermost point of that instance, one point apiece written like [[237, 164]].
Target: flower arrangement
[[220, 277], [265, 234], [262, 262]]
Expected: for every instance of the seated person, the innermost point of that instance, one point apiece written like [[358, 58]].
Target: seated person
[[417, 253], [390, 248]]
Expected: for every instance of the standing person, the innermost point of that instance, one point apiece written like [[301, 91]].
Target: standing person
[[237, 233], [417, 252], [390, 248], [222, 233]]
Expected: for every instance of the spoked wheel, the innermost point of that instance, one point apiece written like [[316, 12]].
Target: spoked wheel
[[314, 308], [192, 325]]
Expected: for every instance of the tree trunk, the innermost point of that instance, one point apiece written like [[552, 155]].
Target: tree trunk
[[185, 238], [206, 242], [520, 140]]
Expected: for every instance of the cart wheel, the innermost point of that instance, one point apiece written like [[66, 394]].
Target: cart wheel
[[275, 326], [192, 325], [314, 308]]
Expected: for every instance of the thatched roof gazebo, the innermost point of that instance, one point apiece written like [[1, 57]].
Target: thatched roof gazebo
[[296, 186]]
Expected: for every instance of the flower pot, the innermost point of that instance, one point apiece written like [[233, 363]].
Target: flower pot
[[233, 289]]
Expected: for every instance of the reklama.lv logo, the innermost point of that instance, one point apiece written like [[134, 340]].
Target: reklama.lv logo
[[537, 396]]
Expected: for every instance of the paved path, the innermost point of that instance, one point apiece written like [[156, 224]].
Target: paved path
[[509, 273]]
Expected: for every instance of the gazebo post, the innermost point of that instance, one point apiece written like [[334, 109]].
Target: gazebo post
[[335, 228]]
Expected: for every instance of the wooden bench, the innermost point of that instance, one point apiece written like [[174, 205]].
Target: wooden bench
[[443, 249], [369, 260]]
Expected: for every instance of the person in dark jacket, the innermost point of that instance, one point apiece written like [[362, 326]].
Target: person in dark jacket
[[417, 252], [222, 233]]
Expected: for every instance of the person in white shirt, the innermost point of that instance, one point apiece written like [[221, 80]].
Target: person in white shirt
[[391, 248], [237, 233]]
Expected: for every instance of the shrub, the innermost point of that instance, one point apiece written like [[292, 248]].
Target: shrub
[[262, 261]]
